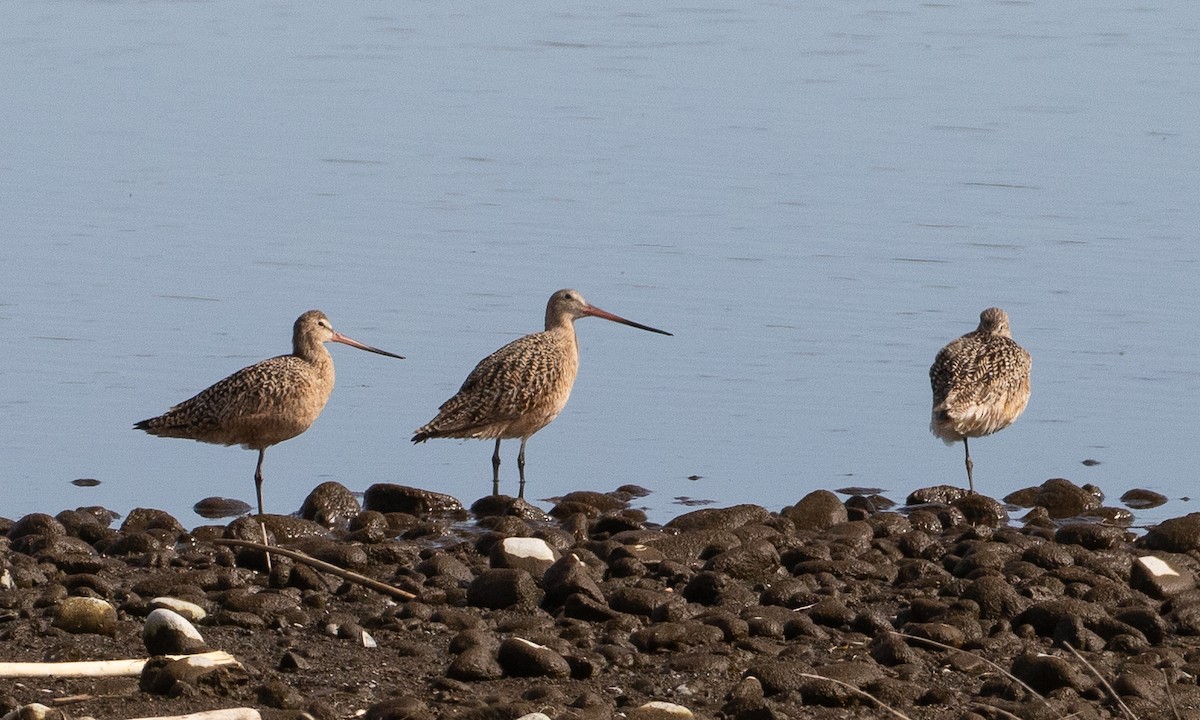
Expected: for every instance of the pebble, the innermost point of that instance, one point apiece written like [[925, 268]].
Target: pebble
[[330, 504], [85, 615], [498, 588], [659, 710], [521, 658], [388, 497], [819, 510], [188, 610], [166, 632]]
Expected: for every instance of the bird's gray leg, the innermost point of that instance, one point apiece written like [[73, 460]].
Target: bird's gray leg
[[521, 468], [258, 479], [970, 467], [496, 469], [258, 482]]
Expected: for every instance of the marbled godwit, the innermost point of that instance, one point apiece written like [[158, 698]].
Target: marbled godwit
[[980, 383], [266, 403], [520, 388]]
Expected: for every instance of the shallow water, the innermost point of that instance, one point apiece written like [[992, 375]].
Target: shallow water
[[813, 198]]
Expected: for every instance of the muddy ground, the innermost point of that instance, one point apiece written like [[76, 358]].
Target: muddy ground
[[948, 606]]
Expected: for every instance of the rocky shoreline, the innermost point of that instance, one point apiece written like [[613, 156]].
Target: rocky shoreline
[[946, 607]]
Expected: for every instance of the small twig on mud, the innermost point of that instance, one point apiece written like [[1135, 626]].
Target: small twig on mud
[[1120, 703], [864, 693], [999, 669], [320, 565]]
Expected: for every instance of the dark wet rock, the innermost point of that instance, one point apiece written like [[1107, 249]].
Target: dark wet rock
[[642, 601], [369, 527], [936, 495], [830, 688], [1146, 621], [939, 632], [284, 528], [601, 502], [147, 519], [1045, 616], [996, 597], [1176, 535], [166, 632], [181, 677], [388, 497], [36, 524], [279, 695], [1092, 536], [817, 511], [1118, 517], [503, 587], [133, 543], [522, 658], [719, 518], [348, 556], [1064, 499], [1048, 556], [675, 636], [981, 510], [756, 560], [1047, 673], [501, 505], [400, 708], [891, 649], [444, 565], [711, 588], [475, 663], [1162, 576], [831, 612], [85, 615], [691, 546], [1142, 499], [569, 576], [213, 508], [583, 607], [330, 504]]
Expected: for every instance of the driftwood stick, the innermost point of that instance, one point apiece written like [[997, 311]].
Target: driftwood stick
[[102, 668], [320, 565], [241, 713]]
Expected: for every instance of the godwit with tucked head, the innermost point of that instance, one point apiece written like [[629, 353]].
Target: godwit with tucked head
[[520, 388], [980, 383], [266, 403]]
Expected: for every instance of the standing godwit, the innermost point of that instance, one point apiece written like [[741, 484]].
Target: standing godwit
[[980, 383], [520, 388], [266, 403]]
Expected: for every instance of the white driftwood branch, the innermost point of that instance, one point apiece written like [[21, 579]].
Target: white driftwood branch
[[226, 714], [103, 668]]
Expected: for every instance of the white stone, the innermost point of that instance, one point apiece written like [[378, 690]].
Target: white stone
[[660, 710], [528, 547], [189, 611], [1157, 566]]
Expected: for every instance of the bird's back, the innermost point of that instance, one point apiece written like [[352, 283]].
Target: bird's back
[[980, 385], [257, 406], [514, 392]]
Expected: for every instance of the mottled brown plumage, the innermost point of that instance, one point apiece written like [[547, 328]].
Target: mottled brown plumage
[[520, 388], [980, 383], [266, 403]]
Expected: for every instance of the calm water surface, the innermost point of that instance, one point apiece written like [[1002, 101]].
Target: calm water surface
[[813, 197]]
